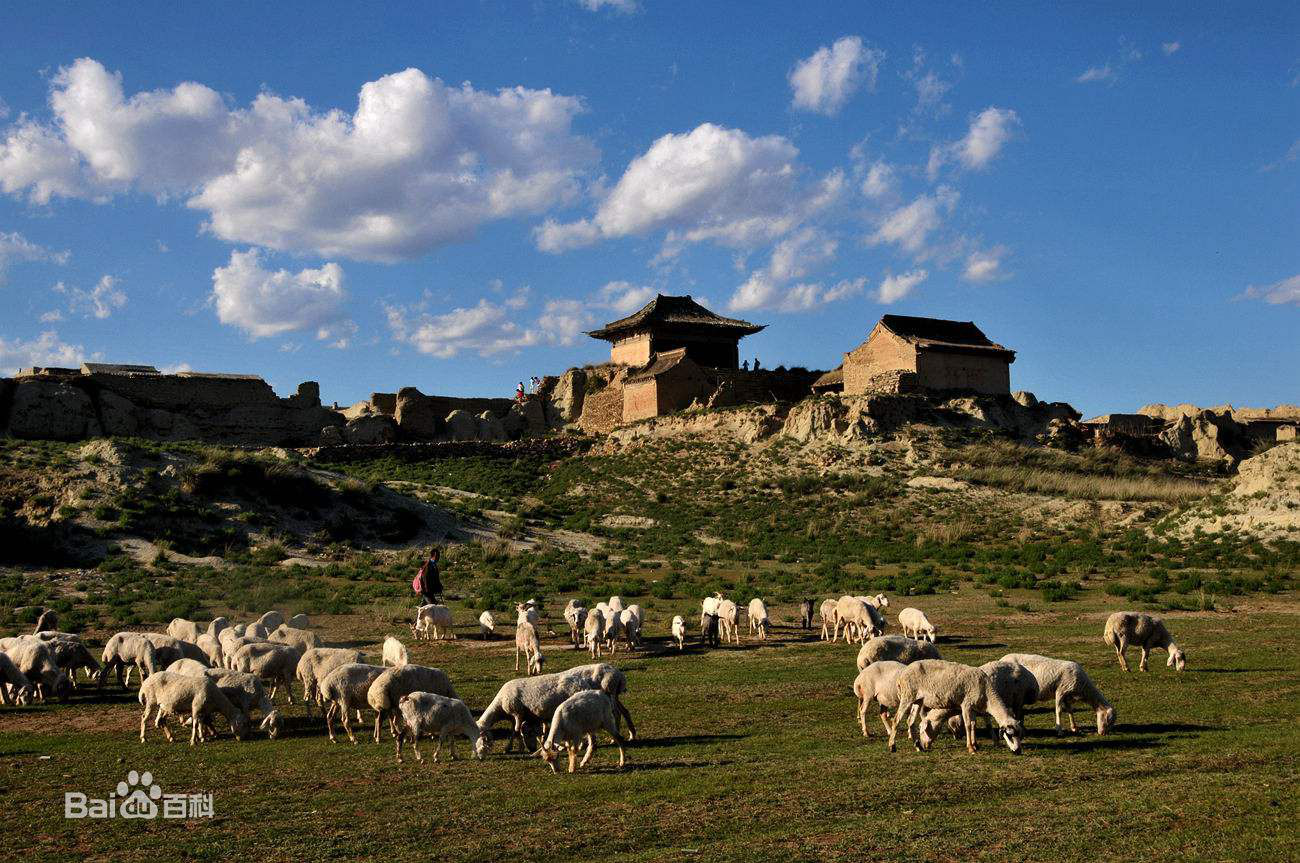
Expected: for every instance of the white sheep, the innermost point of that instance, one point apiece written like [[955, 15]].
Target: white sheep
[[170, 649], [679, 631], [432, 714], [616, 603], [274, 663], [70, 655], [301, 639], [859, 619], [13, 683], [256, 630], [389, 687], [1015, 685], [270, 621], [232, 645], [318, 662], [217, 625], [613, 628], [629, 620], [827, 612], [709, 605], [432, 622], [527, 612], [577, 719], [188, 666], [127, 651], [916, 625], [575, 614], [937, 684], [1126, 629], [594, 631], [347, 689], [169, 694], [246, 692], [526, 642], [211, 647], [394, 652], [1065, 682], [526, 701], [896, 648], [300, 621], [185, 630], [758, 619], [729, 620], [877, 682], [487, 625]]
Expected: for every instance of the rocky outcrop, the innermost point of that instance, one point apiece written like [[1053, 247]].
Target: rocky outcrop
[[52, 410], [462, 425], [417, 418], [490, 427], [1207, 435], [569, 393], [1263, 500]]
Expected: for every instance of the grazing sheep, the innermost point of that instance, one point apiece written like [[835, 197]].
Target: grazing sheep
[[806, 614], [709, 630], [896, 648], [616, 603], [937, 684], [858, 618], [301, 639], [709, 606], [300, 621], [877, 682], [1144, 631], [180, 695], [270, 621], [389, 687], [232, 645], [429, 713], [877, 601], [1065, 682], [526, 642], [1014, 684], [530, 700], [346, 689], [256, 630], [487, 625], [575, 614], [432, 622], [49, 619], [679, 631], [274, 663], [610, 680], [317, 662], [629, 620], [758, 619], [128, 650], [187, 666], [394, 652], [171, 649], [827, 612], [217, 625], [916, 625], [13, 679], [232, 638], [613, 628], [185, 630], [729, 620], [594, 631], [246, 692], [70, 655], [211, 647], [577, 719]]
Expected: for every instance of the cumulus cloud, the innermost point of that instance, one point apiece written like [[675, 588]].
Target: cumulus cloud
[[895, 287], [709, 184], [14, 247], [44, 350], [562, 321], [880, 180], [910, 225], [417, 165], [485, 329], [98, 302], [265, 303], [777, 286], [825, 81], [989, 132], [1278, 293], [624, 297], [985, 265]]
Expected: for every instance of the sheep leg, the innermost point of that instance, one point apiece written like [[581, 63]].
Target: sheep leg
[[1059, 703], [144, 718], [591, 747], [969, 719], [398, 740], [348, 728], [1069, 712], [862, 716], [329, 724], [1142, 666], [379, 715], [516, 658], [1121, 648], [899, 713], [573, 757], [129, 669], [623, 712], [415, 744], [451, 744], [438, 748], [194, 727]]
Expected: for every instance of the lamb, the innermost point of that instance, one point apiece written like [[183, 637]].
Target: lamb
[[270, 621], [758, 619], [527, 700], [1065, 682], [299, 621], [390, 686], [1147, 633], [345, 689], [916, 625], [937, 684], [610, 680], [187, 666], [300, 639], [429, 713], [806, 614], [274, 663], [128, 650], [709, 630], [487, 625], [185, 630], [709, 606], [594, 631], [212, 648], [828, 618], [679, 631], [13, 679], [577, 719], [177, 695], [316, 662], [432, 622], [630, 622], [394, 652], [877, 682], [896, 648], [729, 619], [526, 642], [575, 614], [1013, 682]]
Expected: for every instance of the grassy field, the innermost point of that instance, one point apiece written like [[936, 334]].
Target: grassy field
[[748, 753]]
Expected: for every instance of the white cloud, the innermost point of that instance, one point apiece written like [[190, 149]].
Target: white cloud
[[930, 90], [826, 80], [266, 303], [989, 132], [1095, 74], [1285, 291], [1170, 48], [99, 302], [624, 297], [792, 259], [910, 225], [627, 7], [562, 321], [44, 350], [880, 180], [709, 184], [14, 247], [984, 266], [894, 288], [176, 368], [485, 329], [418, 165], [53, 316]]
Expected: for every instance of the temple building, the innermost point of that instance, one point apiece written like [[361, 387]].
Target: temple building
[[669, 324], [905, 353]]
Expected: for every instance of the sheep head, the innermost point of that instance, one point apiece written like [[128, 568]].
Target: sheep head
[[1013, 736], [1177, 659]]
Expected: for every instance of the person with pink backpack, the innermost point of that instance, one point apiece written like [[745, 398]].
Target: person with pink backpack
[[426, 584]]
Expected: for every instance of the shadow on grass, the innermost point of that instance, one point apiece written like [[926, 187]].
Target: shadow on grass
[[1236, 670], [633, 766], [656, 742], [989, 645]]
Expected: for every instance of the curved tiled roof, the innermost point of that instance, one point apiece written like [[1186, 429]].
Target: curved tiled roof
[[674, 311], [942, 335]]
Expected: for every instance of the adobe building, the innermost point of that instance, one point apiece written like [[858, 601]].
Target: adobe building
[[906, 353], [675, 323]]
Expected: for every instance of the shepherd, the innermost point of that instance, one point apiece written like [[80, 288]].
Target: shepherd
[[427, 584]]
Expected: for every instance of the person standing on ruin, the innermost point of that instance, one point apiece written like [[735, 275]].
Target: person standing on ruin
[[519, 392], [756, 364], [744, 366]]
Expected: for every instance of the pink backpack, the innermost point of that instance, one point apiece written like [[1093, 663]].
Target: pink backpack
[[417, 583]]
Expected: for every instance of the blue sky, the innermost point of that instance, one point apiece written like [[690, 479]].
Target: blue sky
[[447, 196]]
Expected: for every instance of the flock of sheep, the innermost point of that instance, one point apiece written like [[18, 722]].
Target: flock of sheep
[[191, 673]]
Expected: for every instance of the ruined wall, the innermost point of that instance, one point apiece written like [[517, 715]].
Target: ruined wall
[[640, 400], [384, 403], [882, 352], [631, 351], [602, 407], [767, 385], [187, 390], [943, 370]]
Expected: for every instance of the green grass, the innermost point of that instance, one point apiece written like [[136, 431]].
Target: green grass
[[745, 754]]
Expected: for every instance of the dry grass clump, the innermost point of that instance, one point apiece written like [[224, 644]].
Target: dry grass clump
[[1084, 487]]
